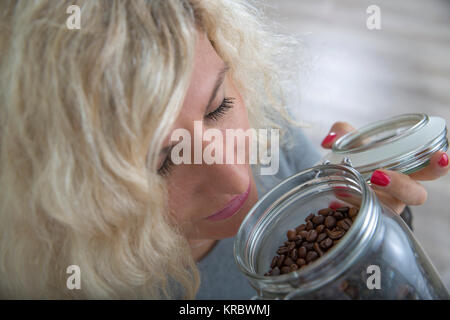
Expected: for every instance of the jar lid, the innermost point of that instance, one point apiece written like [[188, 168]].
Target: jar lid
[[403, 143]]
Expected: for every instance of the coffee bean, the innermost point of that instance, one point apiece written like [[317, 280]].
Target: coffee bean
[[274, 262], [312, 236], [309, 225], [308, 246], [304, 234], [282, 250], [311, 256], [326, 243], [343, 225], [294, 267], [318, 220], [300, 262], [275, 271], [309, 217], [348, 221], [352, 212], [291, 234], [343, 209], [334, 235], [330, 222], [338, 215], [317, 249], [302, 252], [298, 243], [280, 260], [294, 254], [291, 246], [325, 212], [288, 261], [321, 237], [300, 227], [285, 269], [320, 228]]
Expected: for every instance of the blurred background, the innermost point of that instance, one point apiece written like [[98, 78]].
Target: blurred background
[[354, 74]]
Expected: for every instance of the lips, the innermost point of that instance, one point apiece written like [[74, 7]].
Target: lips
[[231, 208]]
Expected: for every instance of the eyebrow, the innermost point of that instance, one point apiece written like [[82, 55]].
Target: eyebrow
[[219, 81]]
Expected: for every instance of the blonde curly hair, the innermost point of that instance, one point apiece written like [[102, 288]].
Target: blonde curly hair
[[83, 114]]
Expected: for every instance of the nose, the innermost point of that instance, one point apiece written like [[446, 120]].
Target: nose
[[223, 178]]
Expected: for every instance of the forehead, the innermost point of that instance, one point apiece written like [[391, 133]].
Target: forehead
[[207, 64]]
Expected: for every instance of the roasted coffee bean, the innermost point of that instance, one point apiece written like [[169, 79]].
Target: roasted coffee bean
[[321, 237], [309, 217], [318, 220], [338, 215], [294, 267], [325, 212], [352, 212], [309, 225], [330, 222], [300, 227], [288, 261], [308, 246], [291, 234], [343, 225], [286, 243], [300, 262], [317, 249], [343, 209], [280, 260], [312, 236], [302, 252], [275, 271], [274, 262], [291, 246], [294, 254], [311, 256], [282, 250], [335, 235], [320, 228], [326, 243], [348, 221], [285, 269], [298, 243], [304, 234]]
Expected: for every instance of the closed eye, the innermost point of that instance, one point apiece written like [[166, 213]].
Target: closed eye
[[226, 104]]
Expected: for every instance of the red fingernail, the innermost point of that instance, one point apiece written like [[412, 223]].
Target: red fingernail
[[328, 139], [443, 161], [380, 178]]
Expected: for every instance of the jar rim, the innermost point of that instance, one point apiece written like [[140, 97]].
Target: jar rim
[[353, 239]]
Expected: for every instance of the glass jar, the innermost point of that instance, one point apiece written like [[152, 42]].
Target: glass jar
[[378, 238]]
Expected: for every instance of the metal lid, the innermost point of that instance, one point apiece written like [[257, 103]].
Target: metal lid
[[403, 143]]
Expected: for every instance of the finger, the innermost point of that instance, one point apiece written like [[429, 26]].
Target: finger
[[338, 129], [437, 167], [391, 202], [399, 186]]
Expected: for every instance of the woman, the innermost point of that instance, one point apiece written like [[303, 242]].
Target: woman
[[85, 169]]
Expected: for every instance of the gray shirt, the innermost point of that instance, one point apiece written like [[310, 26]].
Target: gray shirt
[[220, 276]]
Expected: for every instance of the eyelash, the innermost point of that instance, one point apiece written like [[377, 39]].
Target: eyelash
[[215, 115], [226, 104]]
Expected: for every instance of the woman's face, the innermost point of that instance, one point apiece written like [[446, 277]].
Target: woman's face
[[210, 201]]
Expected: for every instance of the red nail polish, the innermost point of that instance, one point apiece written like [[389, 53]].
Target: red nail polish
[[380, 178], [443, 161], [328, 139]]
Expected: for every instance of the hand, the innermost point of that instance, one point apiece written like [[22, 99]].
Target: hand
[[394, 189]]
